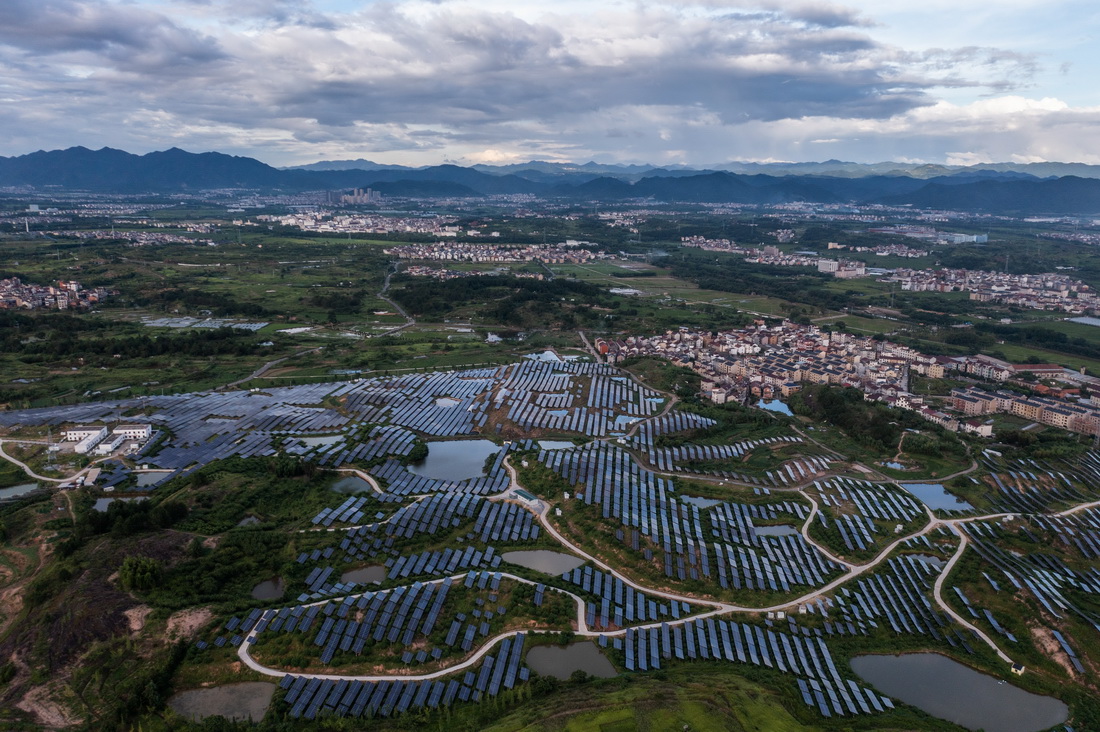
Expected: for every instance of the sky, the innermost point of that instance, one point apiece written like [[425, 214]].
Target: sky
[[690, 82]]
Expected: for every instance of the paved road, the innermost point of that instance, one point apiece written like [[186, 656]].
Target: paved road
[[267, 366], [582, 630], [27, 469], [588, 347]]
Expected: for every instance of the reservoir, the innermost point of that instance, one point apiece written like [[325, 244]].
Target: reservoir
[[775, 406], [364, 575], [15, 491], [351, 484], [561, 662], [238, 702], [271, 589], [780, 530], [556, 444], [949, 690], [544, 560], [455, 459], [936, 497]]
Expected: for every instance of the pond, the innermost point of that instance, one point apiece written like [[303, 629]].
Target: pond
[[455, 459], [101, 504], [561, 662], [775, 406], [700, 501], [271, 589], [364, 575], [556, 444], [321, 440], [624, 420], [146, 479], [446, 402], [894, 465], [544, 560], [351, 484], [248, 521], [238, 702], [780, 530], [930, 559], [936, 497], [17, 490], [949, 690]]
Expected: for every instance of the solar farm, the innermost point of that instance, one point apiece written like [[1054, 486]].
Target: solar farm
[[783, 571]]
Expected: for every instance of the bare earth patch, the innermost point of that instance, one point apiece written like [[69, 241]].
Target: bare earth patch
[[39, 702], [1045, 642], [186, 623], [137, 616]]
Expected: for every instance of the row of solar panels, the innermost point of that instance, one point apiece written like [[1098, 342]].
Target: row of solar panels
[[714, 639], [310, 698]]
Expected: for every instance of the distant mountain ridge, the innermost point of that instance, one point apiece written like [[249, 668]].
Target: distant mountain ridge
[[996, 188]]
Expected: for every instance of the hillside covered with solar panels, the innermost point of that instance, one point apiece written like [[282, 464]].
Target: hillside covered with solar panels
[[475, 547]]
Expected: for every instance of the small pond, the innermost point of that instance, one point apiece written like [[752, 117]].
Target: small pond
[[930, 559], [700, 501], [775, 405], [239, 702], [780, 530], [248, 521], [936, 497], [364, 575], [949, 690], [446, 402], [271, 589], [17, 490], [455, 459], [894, 465], [144, 480], [561, 662], [321, 440], [350, 484], [624, 420], [544, 560], [101, 504], [556, 444]]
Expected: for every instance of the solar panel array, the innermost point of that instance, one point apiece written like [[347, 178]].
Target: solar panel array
[[806, 656], [589, 399], [1034, 486], [618, 604], [854, 505], [897, 595], [692, 547], [310, 698], [1044, 574]]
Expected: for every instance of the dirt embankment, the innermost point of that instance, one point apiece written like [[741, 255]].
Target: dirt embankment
[[186, 623]]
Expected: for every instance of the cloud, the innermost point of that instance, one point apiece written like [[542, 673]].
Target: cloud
[[700, 80]]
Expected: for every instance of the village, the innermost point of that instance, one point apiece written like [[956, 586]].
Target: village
[[772, 362]]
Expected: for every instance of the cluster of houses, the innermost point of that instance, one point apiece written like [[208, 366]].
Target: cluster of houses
[[14, 293], [766, 362], [419, 270], [564, 253], [839, 268], [1046, 291], [325, 222]]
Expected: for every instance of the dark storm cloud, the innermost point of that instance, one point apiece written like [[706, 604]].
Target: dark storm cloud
[[115, 35]]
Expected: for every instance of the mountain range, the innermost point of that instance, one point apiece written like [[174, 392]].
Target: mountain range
[[1055, 188]]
